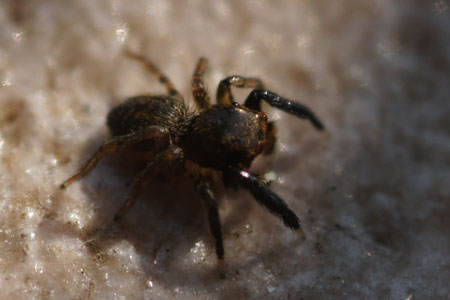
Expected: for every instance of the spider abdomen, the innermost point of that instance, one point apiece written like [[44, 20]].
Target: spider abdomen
[[222, 136], [140, 112]]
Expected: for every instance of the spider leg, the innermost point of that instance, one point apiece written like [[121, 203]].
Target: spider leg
[[199, 91], [254, 102], [204, 189], [163, 79], [224, 95], [123, 141], [144, 177], [268, 199]]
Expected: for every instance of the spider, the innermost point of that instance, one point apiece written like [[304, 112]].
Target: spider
[[223, 138]]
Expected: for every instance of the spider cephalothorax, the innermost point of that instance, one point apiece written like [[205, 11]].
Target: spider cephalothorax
[[223, 138]]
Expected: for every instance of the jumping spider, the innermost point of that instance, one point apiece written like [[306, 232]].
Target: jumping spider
[[223, 138]]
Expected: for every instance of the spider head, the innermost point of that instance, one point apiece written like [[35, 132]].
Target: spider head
[[221, 136]]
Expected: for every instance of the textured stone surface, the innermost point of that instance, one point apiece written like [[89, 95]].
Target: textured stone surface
[[373, 194]]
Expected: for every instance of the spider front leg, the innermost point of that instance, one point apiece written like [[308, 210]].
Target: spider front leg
[[224, 95], [265, 197], [204, 189], [199, 91], [256, 96], [170, 155], [124, 141]]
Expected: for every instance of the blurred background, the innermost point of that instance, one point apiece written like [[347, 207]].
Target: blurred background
[[372, 192]]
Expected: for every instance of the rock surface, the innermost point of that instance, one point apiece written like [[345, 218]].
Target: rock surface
[[373, 194]]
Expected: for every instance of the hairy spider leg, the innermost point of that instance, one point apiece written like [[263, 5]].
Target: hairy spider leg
[[253, 101], [268, 199], [224, 95], [199, 90], [146, 175], [155, 71], [123, 141], [205, 191]]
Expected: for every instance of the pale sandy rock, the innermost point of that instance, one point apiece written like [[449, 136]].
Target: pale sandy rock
[[373, 194]]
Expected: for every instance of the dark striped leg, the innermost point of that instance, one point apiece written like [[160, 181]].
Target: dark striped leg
[[124, 141], [224, 95], [144, 177], [264, 196], [155, 71], [204, 189], [199, 91], [256, 96]]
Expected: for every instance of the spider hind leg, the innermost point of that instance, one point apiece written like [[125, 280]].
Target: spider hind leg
[[163, 79], [114, 144], [168, 156], [199, 91]]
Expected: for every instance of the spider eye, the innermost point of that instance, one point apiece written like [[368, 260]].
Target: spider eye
[[235, 104]]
